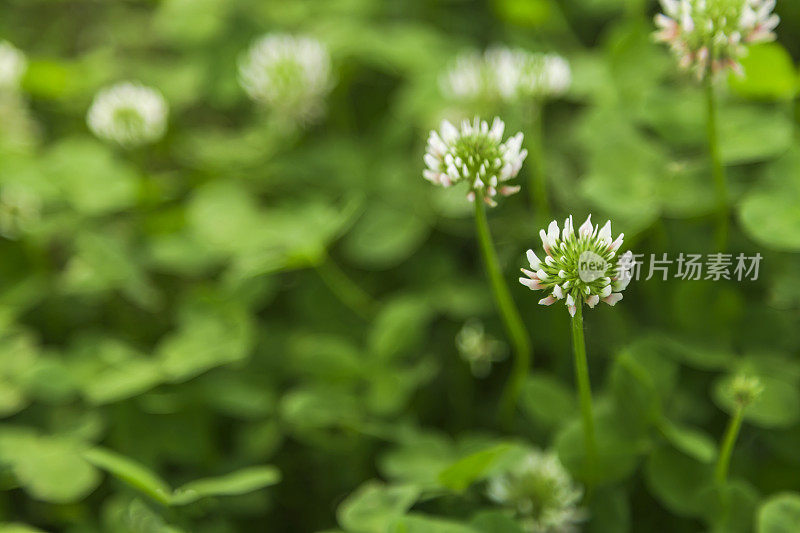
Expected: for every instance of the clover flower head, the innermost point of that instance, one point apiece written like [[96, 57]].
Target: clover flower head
[[506, 75], [711, 36], [746, 389], [475, 153], [479, 349], [542, 494], [520, 74], [579, 267], [129, 114], [12, 66], [287, 73]]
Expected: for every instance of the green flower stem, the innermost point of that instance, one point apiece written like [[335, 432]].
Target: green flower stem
[[345, 288], [537, 187], [508, 312], [727, 444], [717, 169], [584, 392]]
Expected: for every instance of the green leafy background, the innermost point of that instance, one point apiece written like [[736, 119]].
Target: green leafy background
[[172, 360]]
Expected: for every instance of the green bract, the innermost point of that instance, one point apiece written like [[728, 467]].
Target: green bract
[[711, 35]]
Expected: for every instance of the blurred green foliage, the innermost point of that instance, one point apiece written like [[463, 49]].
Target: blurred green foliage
[[166, 320]]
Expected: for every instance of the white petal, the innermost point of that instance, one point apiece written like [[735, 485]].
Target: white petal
[[617, 243], [432, 162], [533, 260], [586, 228], [552, 232], [557, 292], [547, 301], [569, 231], [613, 298], [449, 132], [605, 233], [592, 300], [496, 133]]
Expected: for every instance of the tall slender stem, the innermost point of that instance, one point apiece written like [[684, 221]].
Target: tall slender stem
[[726, 446], [584, 392], [537, 186], [508, 312], [345, 288], [717, 168]]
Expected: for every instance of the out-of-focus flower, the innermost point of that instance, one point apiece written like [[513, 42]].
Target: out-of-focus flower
[[12, 66], [474, 153], [129, 114], [746, 389], [288, 73], [541, 492], [19, 208], [507, 75], [579, 267], [479, 349], [712, 35]]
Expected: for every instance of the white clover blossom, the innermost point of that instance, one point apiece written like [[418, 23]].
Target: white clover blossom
[[507, 75], [475, 153], [129, 114], [479, 349], [542, 493], [712, 35], [12, 66], [288, 73], [579, 267]]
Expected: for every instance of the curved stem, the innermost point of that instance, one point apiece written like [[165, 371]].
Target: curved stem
[[584, 392], [717, 169], [726, 446], [345, 289], [509, 314], [537, 180]]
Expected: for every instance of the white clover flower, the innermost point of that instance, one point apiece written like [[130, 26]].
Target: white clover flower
[[288, 73], [129, 114], [578, 268], [507, 75], [12, 66], [712, 35], [542, 493], [479, 349], [475, 153]]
